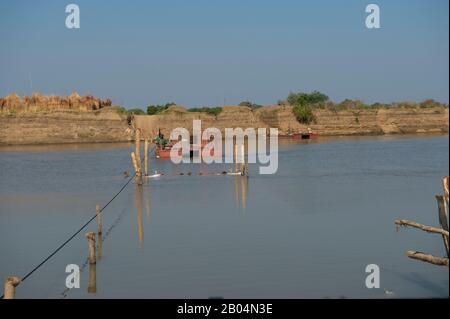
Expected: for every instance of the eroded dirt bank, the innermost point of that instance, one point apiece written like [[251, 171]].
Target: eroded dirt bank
[[107, 125]]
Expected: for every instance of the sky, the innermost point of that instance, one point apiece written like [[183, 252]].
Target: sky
[[211, 52]]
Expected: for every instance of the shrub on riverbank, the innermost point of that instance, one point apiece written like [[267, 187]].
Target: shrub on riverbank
[[303, 104], [251, 105], [209, 110]]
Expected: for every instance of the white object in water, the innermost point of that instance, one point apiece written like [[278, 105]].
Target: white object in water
[[234, 173], [154, 175]]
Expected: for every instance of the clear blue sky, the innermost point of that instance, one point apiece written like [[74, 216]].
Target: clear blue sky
[[200, 52]]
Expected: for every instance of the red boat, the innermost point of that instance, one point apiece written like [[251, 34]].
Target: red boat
[[299, 136], [164, 152]]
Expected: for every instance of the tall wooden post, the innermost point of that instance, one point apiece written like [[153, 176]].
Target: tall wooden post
[[98, 213], [92, 284], [91, 246], [138, 149], [146, 157], [242, 159], [10, 287], [443, 220], [137, 168], [138, 204], [134, 161], [235, 157]]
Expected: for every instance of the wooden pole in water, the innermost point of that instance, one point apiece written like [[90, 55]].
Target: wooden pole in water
[[10, 287], [91, 246], [242, 159], [146, 157], [137, 169], [445, 184], [235, 158], [138, 149], [92, 284], [246, 166], [98, 213], [133, 161], [443, 220]]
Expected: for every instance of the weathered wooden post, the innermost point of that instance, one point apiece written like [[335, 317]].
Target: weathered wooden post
[[242, 160], [98, 213], [246, 166], [235, 157], [10, 287], [91, 246], [146, 157], [445, 184], [138, 149], [100, 246], [92, 284], [134, 161], [137, 168], [138, 204], [443, 220]]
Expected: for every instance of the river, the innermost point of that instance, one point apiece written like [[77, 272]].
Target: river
[[307, 231]]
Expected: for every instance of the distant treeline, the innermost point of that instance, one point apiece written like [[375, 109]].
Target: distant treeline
[[303, 106]]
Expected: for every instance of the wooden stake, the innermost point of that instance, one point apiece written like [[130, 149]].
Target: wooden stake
[[443, 220], [235, 158], [136, 168], [98, 213], [92, 284], [440, 261], [91, 246], [138, 150], [138, 204], [246, 166], [242, 159], [133, 160], [100, 246], [445, 182], [10, 287], [146, 157]]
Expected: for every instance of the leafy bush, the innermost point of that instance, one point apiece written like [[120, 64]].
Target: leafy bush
[[209, 110], [303, 104], [303, 113], [136, 112], [251, 105], [158, 109], [301, 99]]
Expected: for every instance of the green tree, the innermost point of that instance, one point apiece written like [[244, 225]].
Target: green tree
[[303, 113], [303, 104]]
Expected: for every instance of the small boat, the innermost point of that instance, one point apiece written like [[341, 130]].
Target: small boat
[[163, 153], [309, 134], [164, 148]]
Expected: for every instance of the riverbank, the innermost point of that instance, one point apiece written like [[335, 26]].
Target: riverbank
[[107, 125]]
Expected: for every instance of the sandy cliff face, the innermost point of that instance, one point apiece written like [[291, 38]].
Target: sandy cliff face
[[48, 128], [75, 119], [382, 121], [355, 122]]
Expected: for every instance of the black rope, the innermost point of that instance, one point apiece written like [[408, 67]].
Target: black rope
[[73, 236], [76, 233]]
